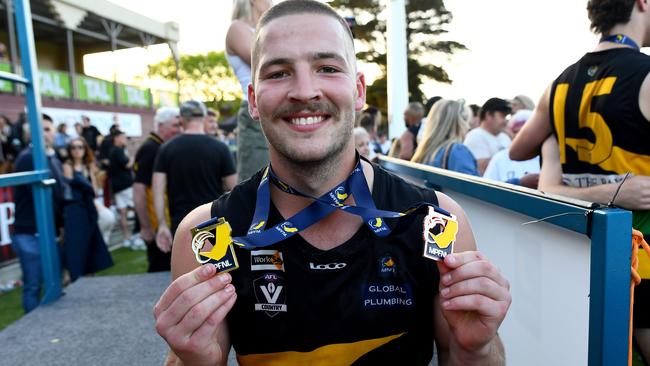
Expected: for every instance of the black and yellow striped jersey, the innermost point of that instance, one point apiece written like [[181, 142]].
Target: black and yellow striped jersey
[[368, 301]]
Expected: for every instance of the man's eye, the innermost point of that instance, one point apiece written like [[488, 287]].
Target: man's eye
[[328, 69], [277, 75]]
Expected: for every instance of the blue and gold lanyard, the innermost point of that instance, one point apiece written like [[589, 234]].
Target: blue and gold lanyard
[[621, 39], [355, 185]]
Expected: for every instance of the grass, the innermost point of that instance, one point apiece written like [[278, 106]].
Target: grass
[[12, 308], [126, 262]]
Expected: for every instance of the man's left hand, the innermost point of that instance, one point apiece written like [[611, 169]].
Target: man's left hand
[[474, 298]]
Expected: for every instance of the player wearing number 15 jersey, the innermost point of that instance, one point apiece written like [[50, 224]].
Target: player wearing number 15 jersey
[[598, 112]]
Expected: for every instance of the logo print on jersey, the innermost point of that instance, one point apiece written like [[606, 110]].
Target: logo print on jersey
[[326, 267], [592, 70], [387, 265], [270, 294], [267, 260], [376, 222]]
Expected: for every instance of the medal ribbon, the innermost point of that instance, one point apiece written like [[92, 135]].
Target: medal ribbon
[[621, 39], [355, 184]]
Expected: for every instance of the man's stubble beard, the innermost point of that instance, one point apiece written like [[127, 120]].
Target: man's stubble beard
[[317, 167]]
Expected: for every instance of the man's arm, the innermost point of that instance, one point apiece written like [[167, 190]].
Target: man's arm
[[140, 203], [481, 165], [473, 301], [406, 143], [633, 195], [164, 235], [229, 182], [190, 314], [530, 138]]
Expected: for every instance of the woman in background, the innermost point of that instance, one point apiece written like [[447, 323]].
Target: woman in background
[[252, 151], [442, 138], [84, 249]]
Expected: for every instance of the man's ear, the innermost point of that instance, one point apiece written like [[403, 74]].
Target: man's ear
[[252, 103], [360, 102]]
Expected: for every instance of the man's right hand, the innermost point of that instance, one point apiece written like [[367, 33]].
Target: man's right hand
[[190, 315], [147, 234], [634, 193], [164, 239]]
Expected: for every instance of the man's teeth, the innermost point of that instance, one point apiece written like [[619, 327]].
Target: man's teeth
[[306, 120]]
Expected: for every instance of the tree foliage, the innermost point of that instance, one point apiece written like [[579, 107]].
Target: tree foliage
[[207, 77], [426, 21]]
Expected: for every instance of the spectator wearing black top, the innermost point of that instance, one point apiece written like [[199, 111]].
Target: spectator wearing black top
[[193, 168], [120, 175], [90, 133], [25, 240], [106, 146], [168, 125]]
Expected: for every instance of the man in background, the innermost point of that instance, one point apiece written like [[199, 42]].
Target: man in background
[[90, 133], [193, 168], [488, 138], [167, 125], [25, 239], [413, 119]]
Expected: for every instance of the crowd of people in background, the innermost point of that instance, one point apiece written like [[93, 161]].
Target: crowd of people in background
[[455, 135]]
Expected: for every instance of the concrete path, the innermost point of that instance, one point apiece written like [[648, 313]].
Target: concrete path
[[99, 321]]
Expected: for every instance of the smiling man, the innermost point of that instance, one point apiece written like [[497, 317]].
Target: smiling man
[[333, 284]]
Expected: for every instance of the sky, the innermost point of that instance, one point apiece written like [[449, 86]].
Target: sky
[[515, 46]]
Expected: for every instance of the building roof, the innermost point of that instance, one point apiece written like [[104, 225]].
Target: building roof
[[93, 20]]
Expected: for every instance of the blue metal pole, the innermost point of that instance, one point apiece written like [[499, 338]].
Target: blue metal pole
[[609, 299], [42, 193]]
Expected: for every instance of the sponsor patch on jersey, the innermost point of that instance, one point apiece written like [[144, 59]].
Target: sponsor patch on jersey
[[270, 294], [267, 260], [387, 266], [387, 295]]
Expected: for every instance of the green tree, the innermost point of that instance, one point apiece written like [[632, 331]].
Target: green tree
[[426, 21], [207, 77]]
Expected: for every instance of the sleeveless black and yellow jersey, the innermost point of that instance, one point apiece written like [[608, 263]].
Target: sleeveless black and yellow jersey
[[601, 132], [369, 301]]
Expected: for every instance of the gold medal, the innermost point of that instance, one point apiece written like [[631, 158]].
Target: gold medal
[[439, 234], [222, 254]]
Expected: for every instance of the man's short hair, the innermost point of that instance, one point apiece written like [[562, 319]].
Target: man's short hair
[[165, 114], [605, 14], [415, 109], [367, 121], [293, 7], [46, 117], [494, 105], [193, 109]]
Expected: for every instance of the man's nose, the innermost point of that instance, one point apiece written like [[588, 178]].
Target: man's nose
[[305, 85]]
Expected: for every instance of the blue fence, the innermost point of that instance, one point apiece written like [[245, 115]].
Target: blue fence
[[39, 178], [603, 233]]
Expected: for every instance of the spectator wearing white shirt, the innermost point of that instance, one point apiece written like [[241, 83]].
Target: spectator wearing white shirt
[[502, 169], [489, 138]]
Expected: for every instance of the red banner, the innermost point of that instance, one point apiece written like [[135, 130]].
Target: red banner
[[7, 209]]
